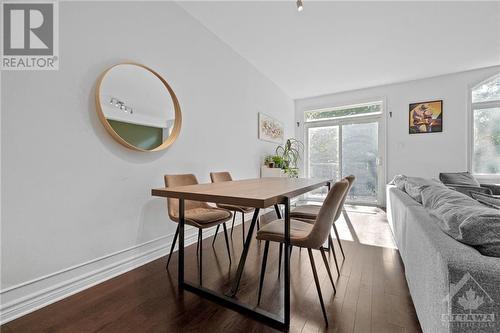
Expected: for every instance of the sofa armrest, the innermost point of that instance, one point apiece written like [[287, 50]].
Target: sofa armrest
[[466, 189], [494, 188]]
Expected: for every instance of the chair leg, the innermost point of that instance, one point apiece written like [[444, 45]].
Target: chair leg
[[316, 281], [327, 268], [243, 226], [332, 250], [173, 245], [227, 241], [263, 269], [198, 243], [330, 242], [258, 224], [232, 225], [215, 236], [279, 261], [201, 255], [338, 240]]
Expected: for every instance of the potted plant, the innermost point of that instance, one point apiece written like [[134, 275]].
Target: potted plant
[[289, 154], [268, 161], [278, 161]]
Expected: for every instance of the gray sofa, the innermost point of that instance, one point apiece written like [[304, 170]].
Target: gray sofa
[[440, 270]]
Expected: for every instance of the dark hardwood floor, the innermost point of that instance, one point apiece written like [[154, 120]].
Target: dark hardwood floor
[[372, 294]]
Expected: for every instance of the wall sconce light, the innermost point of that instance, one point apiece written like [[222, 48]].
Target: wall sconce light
[[121, 105]]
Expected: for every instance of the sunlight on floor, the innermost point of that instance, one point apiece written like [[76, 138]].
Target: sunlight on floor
[[363, 224]]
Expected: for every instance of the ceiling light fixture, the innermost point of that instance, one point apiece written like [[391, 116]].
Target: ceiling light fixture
[[299, 5]]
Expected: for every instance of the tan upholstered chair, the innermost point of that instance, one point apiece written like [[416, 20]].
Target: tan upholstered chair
[[308, 213], [218, 177], [307, 235], [197, 214]]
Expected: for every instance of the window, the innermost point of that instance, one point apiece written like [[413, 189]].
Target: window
[[346, 140], [358, 110], [486, 127]]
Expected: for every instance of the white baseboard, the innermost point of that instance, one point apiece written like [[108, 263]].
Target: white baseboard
[[21, 299]]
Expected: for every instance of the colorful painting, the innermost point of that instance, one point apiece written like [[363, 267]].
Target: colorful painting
[[270, 129], [426, 117]]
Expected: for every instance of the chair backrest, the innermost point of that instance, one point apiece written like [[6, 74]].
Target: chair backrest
[[218, 177], [172, 203], [323, 224], [350, 179]]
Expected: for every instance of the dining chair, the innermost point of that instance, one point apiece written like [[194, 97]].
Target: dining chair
[[196, 214], [309, 213], [306, 235], [225, 176]]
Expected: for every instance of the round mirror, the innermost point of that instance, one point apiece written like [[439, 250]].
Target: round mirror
[[138, 107]]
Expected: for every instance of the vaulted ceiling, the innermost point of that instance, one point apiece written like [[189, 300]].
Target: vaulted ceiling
[[338, 46]]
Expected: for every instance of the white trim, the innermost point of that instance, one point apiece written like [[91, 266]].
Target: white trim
[[26, 297], [62, 271]]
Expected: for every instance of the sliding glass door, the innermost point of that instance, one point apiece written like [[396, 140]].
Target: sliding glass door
[[360, 158], [340, 147], [323, 156]]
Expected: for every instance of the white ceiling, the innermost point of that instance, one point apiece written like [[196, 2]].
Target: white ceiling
[[337, 46]]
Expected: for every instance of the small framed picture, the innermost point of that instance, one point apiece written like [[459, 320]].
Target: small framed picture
[[270, 129], [426, 117]]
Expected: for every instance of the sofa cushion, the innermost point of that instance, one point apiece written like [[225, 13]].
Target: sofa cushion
[[464, 219], [494, 188], [459, 178], [415, 185], [468, 189], [435, 196], [488, 200]]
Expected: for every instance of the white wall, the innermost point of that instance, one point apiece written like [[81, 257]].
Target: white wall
[[423, 155], [76, 205]]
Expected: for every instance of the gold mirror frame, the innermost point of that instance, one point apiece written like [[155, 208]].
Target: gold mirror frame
[[177, 111]]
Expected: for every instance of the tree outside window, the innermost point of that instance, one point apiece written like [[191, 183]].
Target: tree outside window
[[486, 127]]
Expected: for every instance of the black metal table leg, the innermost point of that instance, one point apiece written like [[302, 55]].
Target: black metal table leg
[[261, 315], [287, 263], [181, 244], [278, 211], [201, 258], [241, 265]]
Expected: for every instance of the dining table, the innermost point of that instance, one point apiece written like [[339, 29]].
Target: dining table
[[259, 193]]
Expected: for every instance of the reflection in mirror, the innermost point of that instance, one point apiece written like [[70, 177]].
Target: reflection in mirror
[[138, 107]]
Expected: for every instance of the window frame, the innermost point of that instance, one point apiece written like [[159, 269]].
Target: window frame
[[380, 117], [472, 106]]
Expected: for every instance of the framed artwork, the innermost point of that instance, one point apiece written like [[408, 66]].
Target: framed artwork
[[426, 117], [270, 129]]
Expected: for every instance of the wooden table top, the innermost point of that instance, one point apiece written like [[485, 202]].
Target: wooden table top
[[258, 192]]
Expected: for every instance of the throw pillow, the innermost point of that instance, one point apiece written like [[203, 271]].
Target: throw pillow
[[415, 185], [459, 178], [399, 181]]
